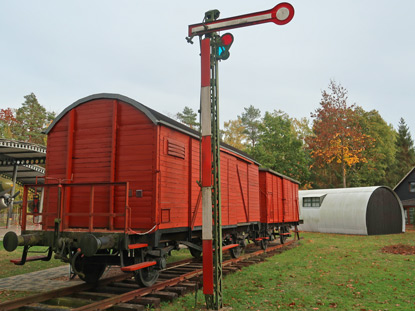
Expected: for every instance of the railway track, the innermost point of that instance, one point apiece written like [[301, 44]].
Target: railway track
[[121, 293]]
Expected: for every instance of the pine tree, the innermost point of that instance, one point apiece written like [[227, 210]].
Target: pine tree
[[251, 122], [188, 117], [405, 152]]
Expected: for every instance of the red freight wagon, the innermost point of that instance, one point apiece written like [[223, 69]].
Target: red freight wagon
[[107, 138], [279, 201], [122, 188]]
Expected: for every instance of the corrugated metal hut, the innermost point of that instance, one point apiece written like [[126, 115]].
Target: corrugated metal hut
[[363, 210]]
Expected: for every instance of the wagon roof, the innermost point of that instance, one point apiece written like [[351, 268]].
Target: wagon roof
[[263, 169], [155, 116]]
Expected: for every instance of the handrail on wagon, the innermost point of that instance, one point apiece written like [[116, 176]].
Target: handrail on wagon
[[62, 215]]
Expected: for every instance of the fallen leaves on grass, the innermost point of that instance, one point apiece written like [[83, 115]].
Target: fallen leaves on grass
[[400, 249]]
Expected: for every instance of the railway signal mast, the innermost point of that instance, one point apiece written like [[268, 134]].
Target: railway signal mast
[[214, 48]]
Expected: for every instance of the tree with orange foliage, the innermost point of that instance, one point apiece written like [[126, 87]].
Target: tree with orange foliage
[[337, 141], [7, 120]]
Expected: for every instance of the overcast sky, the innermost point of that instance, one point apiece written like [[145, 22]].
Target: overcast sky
[[65, 50]]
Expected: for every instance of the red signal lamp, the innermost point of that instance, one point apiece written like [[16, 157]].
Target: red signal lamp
[[222, 50], [227, 39]]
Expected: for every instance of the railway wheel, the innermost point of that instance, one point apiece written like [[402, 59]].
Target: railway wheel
[[236, 251], [257, 242], [195, 253], [264, 244], [283, 234], [88, 271], [145, 277]]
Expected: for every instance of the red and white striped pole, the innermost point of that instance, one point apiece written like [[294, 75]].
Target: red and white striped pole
[[206, 126], [280, 15]]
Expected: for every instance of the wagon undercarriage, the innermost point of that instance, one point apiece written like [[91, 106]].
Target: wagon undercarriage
[[90, 253]]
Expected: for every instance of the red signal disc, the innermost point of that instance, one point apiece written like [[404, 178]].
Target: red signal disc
[[227, 39]]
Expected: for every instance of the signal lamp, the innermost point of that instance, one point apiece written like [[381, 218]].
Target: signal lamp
[[222, 49]]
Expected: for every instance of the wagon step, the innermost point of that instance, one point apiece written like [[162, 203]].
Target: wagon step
[[263, 238], [226, 247], [22, 261], [138, 245], [138, 266], [284, 233]]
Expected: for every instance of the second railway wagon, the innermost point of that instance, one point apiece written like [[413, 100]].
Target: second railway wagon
[[279, 202]]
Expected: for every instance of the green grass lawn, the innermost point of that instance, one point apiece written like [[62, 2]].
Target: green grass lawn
[[324, 272]]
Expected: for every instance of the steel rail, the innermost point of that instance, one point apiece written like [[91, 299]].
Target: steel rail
[[109, 302], [11, 305], [14, 304]]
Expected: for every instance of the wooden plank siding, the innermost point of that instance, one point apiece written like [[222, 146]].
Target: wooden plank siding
[[108, 140], [279, 199], [291, 210], [174, 180], [112, 141], [180, 192], [236, 197], [56, 154]]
